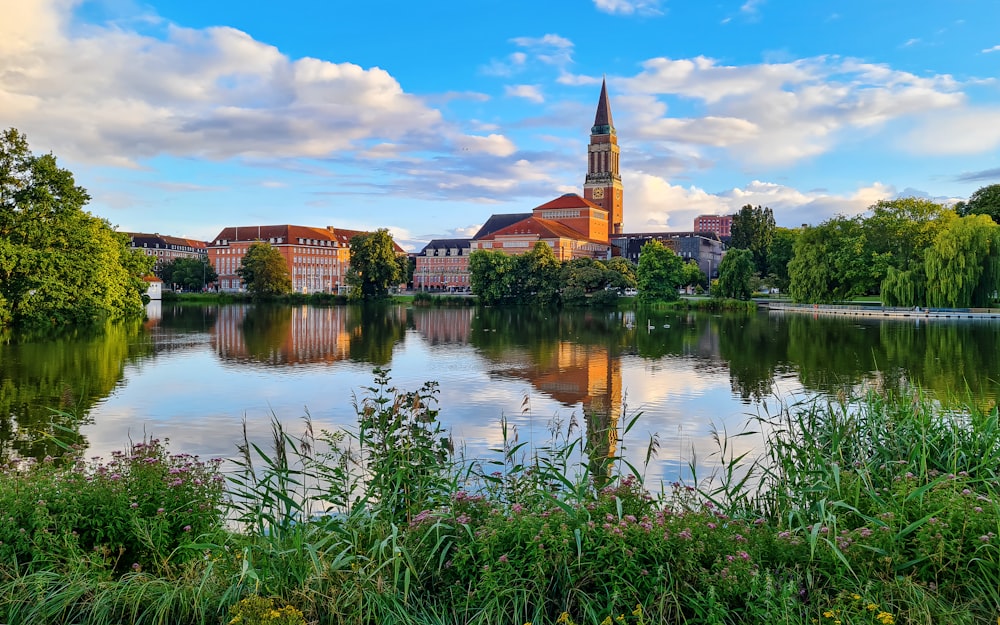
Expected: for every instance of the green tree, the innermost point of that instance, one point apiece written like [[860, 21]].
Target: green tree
[[753, 229], [963, 264], [58, 263], [782, 250], [626, 272], [582, 277], [985, 201], [691, 274], [375, 267], [190, 274], [829, 263], [658, 273], [264, 271], [541, 274], [735, 272], [491, 274], [897, 234]]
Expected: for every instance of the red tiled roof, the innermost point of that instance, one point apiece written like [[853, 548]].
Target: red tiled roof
[[543, 228], [291, 234], [570, 200]]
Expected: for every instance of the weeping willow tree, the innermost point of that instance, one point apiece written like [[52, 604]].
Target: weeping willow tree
[[904, 288], [963, 264]]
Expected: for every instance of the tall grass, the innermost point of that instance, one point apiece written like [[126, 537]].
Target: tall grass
[[878, 509]]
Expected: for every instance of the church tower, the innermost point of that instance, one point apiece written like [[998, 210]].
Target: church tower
[[603, 185]]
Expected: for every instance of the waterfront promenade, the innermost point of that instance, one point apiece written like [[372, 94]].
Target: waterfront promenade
[[861, 310]]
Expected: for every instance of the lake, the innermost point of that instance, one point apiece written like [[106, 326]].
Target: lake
[[194, 374]]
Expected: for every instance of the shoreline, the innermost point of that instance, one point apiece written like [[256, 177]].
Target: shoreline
[[887, 313]]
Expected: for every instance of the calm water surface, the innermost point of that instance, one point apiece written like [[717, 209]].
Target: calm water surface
[[194, 374]]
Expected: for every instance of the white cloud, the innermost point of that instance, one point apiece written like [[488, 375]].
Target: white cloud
[[655, 204], [117, 96], [528, 92], [779, 113], [550, 49], [969, 131], [494, 144], [629, 7], [751, 7], [995, 48]]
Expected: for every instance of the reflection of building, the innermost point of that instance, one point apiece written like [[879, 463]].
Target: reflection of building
[[444, 325], [282, 335], [164, 248], [589, 375], [317, 258], [704, 248]]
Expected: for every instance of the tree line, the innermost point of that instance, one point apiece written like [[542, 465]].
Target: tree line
[[538, 277]]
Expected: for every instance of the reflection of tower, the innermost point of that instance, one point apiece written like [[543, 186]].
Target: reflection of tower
[[588, 375], [603, 185]]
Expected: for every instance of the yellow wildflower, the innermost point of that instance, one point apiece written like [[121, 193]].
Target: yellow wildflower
[[855, 596], [607, 621], [638, 610], [872, 607], [885, 618]]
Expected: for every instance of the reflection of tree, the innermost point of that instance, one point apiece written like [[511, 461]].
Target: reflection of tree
[[266, 331], [754, 346], [374, 329], [70, 374], [185, 318], [830, 353]]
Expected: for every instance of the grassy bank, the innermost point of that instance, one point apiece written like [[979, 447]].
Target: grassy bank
[[878, 510]]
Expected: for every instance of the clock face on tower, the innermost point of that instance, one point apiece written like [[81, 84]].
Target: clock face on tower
[[599, 193]]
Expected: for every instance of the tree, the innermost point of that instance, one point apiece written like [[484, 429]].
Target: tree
[[625, 270], [985, 201], [658, 273], [691, 273], [375, 266], [963, 264], [58, 263], [753, 229], [582, 277], [829, 263], [735, 272], [897, 234], [491, 273], [264, 271], [782, 250], [189, 273], [541, 274]]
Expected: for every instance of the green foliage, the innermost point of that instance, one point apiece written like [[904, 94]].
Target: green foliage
[[782, 251], [264, 271], [829, 263], [962, 265], [541, 270], [58, 264], [190, 274], [492, 275], [659, 273], [691, 274], [984, 201], [735, 273], [753, 229], [137, 511], [375, 267], [904, 288]]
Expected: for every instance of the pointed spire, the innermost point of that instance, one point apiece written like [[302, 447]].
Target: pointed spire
[[603, 125]]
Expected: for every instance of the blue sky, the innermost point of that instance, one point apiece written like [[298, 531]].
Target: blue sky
[[185, 117]]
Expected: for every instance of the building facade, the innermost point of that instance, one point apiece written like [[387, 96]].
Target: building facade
[[166, 248], [704, 248], [720, 225], [317, 258], [443, 265]]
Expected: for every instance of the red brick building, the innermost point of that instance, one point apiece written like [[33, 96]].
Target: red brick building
[[317, 258], [720, 225]]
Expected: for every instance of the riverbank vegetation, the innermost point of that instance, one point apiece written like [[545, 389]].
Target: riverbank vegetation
[[878, 510]]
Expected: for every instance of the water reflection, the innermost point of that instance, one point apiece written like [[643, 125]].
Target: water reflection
[[49, 384], [192, 373]]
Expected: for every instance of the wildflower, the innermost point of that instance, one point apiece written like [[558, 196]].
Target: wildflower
[[187, 528], [885, 618], [504, 558], [133, 505], [516, 507], [638, 610], [563, 618]]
